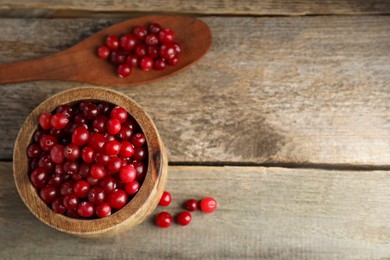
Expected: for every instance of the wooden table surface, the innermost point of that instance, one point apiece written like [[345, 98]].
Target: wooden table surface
[[286, 122]]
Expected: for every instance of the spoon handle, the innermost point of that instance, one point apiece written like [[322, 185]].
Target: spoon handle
[[56, 66]]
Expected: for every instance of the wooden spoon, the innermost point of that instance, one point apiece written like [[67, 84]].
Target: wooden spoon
[[80, 63]]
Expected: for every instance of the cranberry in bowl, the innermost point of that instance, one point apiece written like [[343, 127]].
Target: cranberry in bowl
[[89, 161]]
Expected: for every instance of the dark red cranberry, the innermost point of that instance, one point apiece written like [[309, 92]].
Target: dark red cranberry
[[57, 154], [92, 181], [127, 173], [84, 170], [99, 124], [71, 152], [128, 42], [48, 194], [59, 121], [166, 36], [146, 63], [34, 150], [164, 220], [88, 154], [55, 180], [154, 28], [66, 188], [141, 50], [39, 177], [177, 48], [83, 104], [81, 189], [117, 199], [70, 201], [125, 133], [140, 32], [208, 205], [130, 123], [174, 61], [167, 51], [140, 153], [80, 136], [38, 134], [97, 141], [132, 187], [79, 119], [96, 195], [91, 111], [127, 149], [34, 164], [47, 142], [160, 64], [153, 51], [132, 60], [102, 158], [103, 210], [108, 184], [104, 108], [114, 165], [58, 206], [44, 120], [166, 199], [85, 209], [113, 126], [138, 139], [191, 205], [72, 213], [119, 113], [123, 70], [71, 167], [66, 110], [98, 171], [59, 168], [141, 170], [151, 39], [46, 162], [112, 147], [103, 52], [118, 57], [184, 218], [112, 42]]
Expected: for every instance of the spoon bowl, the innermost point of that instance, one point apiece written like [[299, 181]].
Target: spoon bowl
[[80, 63]]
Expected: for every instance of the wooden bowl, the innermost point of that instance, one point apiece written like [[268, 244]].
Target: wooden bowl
[[130, 215]]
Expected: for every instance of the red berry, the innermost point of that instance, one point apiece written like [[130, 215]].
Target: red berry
[[125, 133], [85, 209], [71, 152], [70, 201], [191, 205], [88, 154], [102, 158], [113, 126], [177, 48], [138, 139], [48, 194], [160, 64], [81, 189], [91, 111], [153, 51], [57, 206], [154, 28], [98, 171], [132, 60], [33, 151], [112, 147], [96, 195], [166, 36], [103, 52], [44, 120], [47, 142], [59, 121], [184, 218], [97, 141], [118, 57], [164, 220], [57, 153], [173, 61], [103, 210], [127, 173], [66, 188], [124, 70], [117, 199], [140, 32], [46, 162], [39, 177], [146, 63], [128, 42], [151, 39], [141, 50], [108, 184], [112, 42], [208, 205], [71, 167], [55, 180], [114, 165], [141, 170], [140, 153], [166, 199], [80, 136], [132, 187], [119, 113], [127, 149], [167, 51]]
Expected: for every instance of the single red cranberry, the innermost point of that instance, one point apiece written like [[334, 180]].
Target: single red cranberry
[[71, 152], [177, 48], [167, 51], [174, 61], [128, 42], [125, 133], [99, 124], [154, 28], [91, 111], [92, 181], [84, 170], [141, 50], [58, 206], [140, 153], [55, 180], [132, 60], [191, 205], [38, 134], [73, 213], [96, 195], [66, 188], [146, 63], [103, 52], [102, 158], [108, 184], [79, 119], [112, 42], [97, 141], [46, 162], [153, 51], [123, 70], [81, 189], [71, 167], [132, 187], [110, 137], [48, 194], [47, 142], [80, 136], [184, 218], [83, 104], [113, 126], [98, 171], [166, 36], [127, 149], [164, 220], [103, 210], [166, 199], [151, 39], [140, 32], [59, 121], [34, 164], [138, 139], [57, 153], [34, 150], [39, 177], [208, 205], [118, 57], [104, 108], [57, 133], [127, 173], [114, 165], [88, 154], [160, 64], [70, 201], [44, 120], [141, 170], [119, 113], [130, 123], [112, 147], [66, 110], [85, 209], [117, 199]]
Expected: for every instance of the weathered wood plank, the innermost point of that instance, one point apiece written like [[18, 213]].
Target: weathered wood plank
[[270, 213], [88, 8], [271, 90]]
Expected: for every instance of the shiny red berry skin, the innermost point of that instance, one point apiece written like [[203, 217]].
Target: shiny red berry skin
[[127, 173], [153, 51], [132, 187], [184, 218], [173, 62], [96, 195], [112, 147], [59, 121], [140, 153], [102, 158], [91, 111], [125, 133], [44, 120], [48, 194], [166, 199], [66, 188], [138, 139], [81, 189], [191, 205], [128, 42], [118, 57], [160, 64], [97, 142], [57, 153], [80, 136], [119, 113], [146, 63], [164, 220], [141, 50], [39, 177], [151, 39], [88, 154], [168, 51], [71, 152], [112, 42], [117, 199], [46, 162], [71, 167], [58, 206], [127, 149], [132, 60], [154, 28], [108, 184], [140, 32], [177, 48], [140, 167], [166, 36], [124, 70], [103, 52], [103, 210], [55, 180], [98, 171], [113, 126], [85, 209], [208, 205], [34, 151], [99, 124], [114, 165], [70, 201], [47, 142]]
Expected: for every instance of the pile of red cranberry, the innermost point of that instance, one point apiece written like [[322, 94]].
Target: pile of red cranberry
[[147, 49], [87, 160]]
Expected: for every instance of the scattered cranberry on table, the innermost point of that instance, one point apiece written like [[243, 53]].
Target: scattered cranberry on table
[[208, 205], [88, 160], [151, 48], [184, 218], [166, 199], [191, 205], [164, 220]]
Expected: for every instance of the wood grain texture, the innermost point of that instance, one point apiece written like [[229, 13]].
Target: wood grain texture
[[263, 213], [299, 90], [88, 8]]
